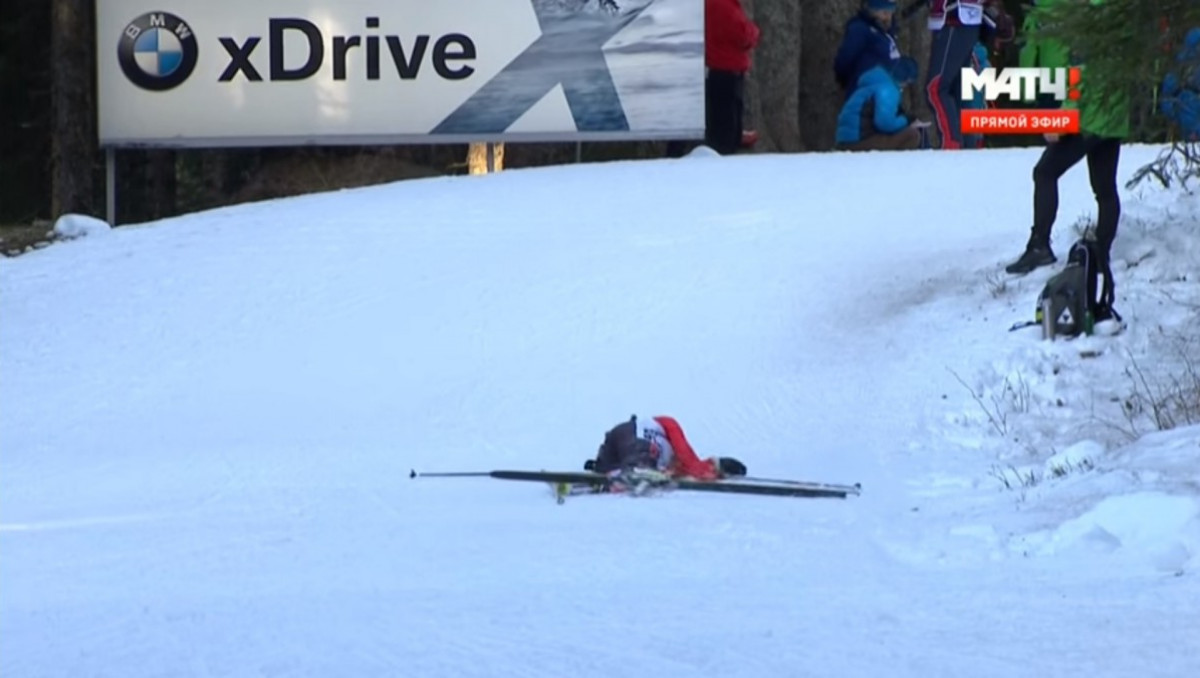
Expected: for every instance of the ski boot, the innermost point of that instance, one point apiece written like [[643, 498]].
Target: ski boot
[[1037, 253]]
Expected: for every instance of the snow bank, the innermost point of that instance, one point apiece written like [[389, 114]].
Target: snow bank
[[1080, 456], [71, 226], [1094, 442], [1138, 501], [702, 152], [1159, 528], [231, 399], [1039, 395]]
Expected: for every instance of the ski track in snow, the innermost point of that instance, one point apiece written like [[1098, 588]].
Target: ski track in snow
[[208, 425]]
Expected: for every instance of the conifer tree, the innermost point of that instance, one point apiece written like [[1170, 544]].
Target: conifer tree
[[1127, 48]]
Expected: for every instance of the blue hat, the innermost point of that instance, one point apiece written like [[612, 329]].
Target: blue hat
[[904, 69], [881, 4]]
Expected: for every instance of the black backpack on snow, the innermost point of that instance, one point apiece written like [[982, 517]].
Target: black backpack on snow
[[622, 448], [1075, 299]]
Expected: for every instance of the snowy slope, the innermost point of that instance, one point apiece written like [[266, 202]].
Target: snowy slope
[[207, 425]]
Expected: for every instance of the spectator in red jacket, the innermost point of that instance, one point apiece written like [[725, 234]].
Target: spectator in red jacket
[[729, 38]]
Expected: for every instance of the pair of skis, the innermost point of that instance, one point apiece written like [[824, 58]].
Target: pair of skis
[[567, 483]]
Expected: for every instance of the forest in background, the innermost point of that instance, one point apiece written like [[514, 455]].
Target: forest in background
[[51, 162]]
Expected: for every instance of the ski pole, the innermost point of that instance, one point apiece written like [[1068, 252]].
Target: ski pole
[[855, 488], [535, 476], [452, 474]]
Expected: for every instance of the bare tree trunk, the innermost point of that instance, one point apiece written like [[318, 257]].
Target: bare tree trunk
[[24, 111], [772, 88], [822, 25], [73, 109], [914, 37], [479, 162]]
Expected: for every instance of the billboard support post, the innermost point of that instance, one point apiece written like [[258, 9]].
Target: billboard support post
[[110, 185]]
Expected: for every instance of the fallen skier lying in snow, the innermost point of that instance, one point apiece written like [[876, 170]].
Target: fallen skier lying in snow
[[658, 444]]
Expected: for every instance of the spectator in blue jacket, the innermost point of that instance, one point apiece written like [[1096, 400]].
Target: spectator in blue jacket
[[869, 40], [1181, 89], [872, 118]]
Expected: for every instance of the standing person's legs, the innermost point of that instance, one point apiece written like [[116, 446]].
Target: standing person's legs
[[739, 111], [1102, 159], [1058, 157], [722, 133], [948, 55], [710, 108]]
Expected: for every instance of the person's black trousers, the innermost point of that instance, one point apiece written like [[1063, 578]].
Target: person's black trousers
[[1102, 155], [949, 53], [724, 101]]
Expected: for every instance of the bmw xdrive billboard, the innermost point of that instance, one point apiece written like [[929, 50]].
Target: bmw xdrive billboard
[[280, 72]]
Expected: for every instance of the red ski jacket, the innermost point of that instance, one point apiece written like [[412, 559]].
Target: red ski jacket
[[729, 36], [685, 462]]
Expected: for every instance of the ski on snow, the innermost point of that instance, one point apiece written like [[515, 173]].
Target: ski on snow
[[568, 483]]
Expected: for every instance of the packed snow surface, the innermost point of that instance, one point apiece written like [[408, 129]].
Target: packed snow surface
[[208, 422]]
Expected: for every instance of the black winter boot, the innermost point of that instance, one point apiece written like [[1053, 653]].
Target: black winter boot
[[730, 467], [1036, 255]]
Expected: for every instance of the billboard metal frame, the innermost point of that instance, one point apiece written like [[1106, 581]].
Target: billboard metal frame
[[619, 80]]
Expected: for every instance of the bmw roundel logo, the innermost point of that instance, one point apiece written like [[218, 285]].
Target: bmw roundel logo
[[157, 51]]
